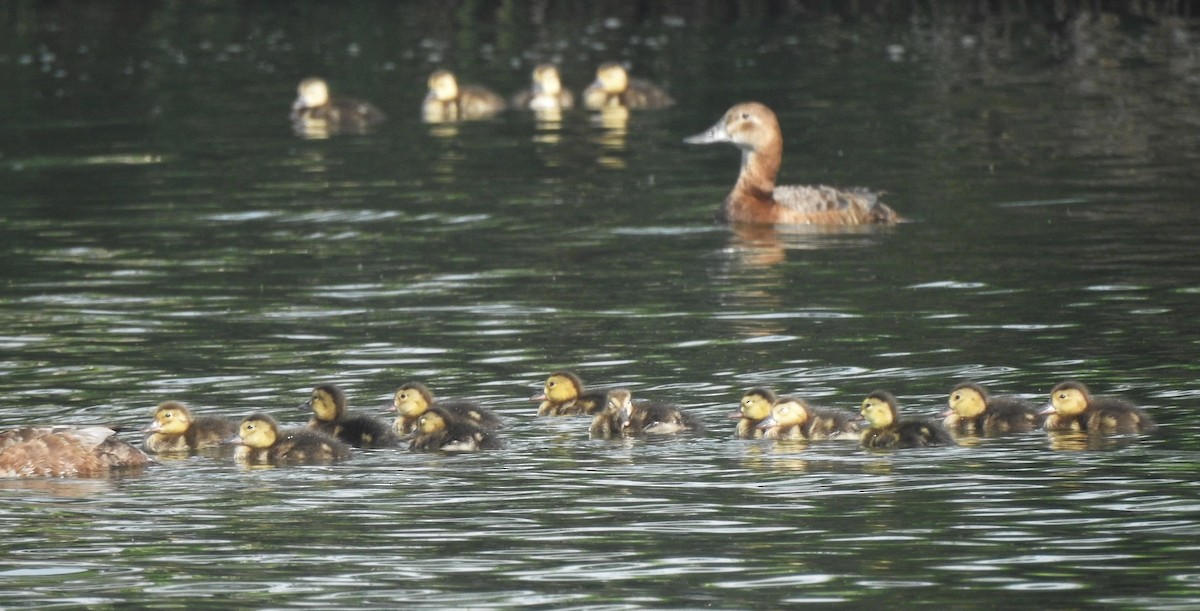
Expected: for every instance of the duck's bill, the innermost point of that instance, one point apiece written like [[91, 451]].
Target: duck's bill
[[734, 415], [390, 406], [715, 133], [766, 424], [1047, 409], [232, 440]]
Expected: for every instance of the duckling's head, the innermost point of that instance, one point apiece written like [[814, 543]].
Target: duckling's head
[[750, 126], [968, 400], [257, 431], [327, 403], [620, 402], [430, 422], [756, 404], [561, 387], [171, 418], [787, 412], [443, 85], [411, 400], [312, 92], [879, 408], [612, 78], [546, 79], [1069, 398]]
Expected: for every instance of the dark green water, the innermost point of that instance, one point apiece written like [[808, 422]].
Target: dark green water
[[165, 235]]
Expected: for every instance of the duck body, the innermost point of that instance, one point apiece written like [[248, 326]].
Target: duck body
[[973, 411], [754, 407], [613, 88], [330, 416], [66, 451], [448, 101], [316, 108], [413, 399], [793, 418], [755, 198], [176, 429], [564, 395], [546, 92], [887, 431], [1072, 407], [439, 429], [260, 441]]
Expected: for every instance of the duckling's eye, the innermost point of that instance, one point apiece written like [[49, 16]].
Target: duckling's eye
[[403, 396], [1062, 395], [550, 384], [745, 115], [958, 397]]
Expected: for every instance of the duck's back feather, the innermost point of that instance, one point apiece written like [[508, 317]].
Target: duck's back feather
[[65, 451]]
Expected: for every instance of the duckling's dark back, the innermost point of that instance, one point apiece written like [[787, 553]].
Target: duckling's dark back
[[305, 446], [362, 431], [1111, 414], [473, 412], [828, 421], [652, 415], [1008, 414], [908, 433]]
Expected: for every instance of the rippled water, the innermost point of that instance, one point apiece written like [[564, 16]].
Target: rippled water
[[166, 235]]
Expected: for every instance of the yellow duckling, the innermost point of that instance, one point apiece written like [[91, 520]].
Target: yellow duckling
[[973, 410], [1073, 408], [652, 417], [175, 429], [447, 101], [754, 408], [614, 88], [414, 398], [328, 404], [260, 441], [315, 109], [794, 418], [66, 451], [546, 93], [563, 395], [439, 429], [888, 431]]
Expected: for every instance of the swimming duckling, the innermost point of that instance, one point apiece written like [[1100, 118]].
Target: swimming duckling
[[447, 101], [260, 441], [175, 429], [413, 399], [614, 88], [755, 407], [1073, 408], [439, 429], [652, 417], [564, 395], [66, 451], [328, 404], [755, 198], [794, 418], [888, 431], [973, 410], [609, 422], [314, 109], [546, 93]]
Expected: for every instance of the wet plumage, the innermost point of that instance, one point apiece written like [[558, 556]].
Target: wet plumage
[[330, 416], [440, 430], [794, 418], [1072, 407], [412, 399], [261, 441], [176, 429], [563, 395], [973, 411], [754, 407], [887, 430]]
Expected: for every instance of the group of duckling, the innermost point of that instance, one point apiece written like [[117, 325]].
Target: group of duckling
[[427, 423]]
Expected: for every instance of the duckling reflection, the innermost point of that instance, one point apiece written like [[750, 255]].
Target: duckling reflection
[[66, 451], [175, 429], [614, 128]]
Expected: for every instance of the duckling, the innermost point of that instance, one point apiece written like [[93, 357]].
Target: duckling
[[973, 410], [755, 407], [546, 93], [637, 417], [175, 429], [315, 108], [260, 441], [447, 101], [439, 429], [888, 431], [609, 422], [755, 199], [564, 395], [66, 451], [613, 87], [328, 404], [413, 398], [1073, 408], [794, 418]]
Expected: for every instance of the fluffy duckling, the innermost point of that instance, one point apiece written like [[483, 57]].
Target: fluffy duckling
[[638, 417], [1073, 408], [439, 429], [973, 410], [328, 404], [447, 101], [66, 451], [314, 107], [414, 398], [260, 441], [754, 408], [614, 88], [888, 431], [794, 418], [546, 93], [175, 429], [755, 198], [609, 422], [563, 395]]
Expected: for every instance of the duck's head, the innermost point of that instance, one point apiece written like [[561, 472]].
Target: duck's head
[[756, 405], [327, 403], [431, 422], [750, 126], [561, 387], [546, 80], [787, 411], [311, 93], [967, 400], [620, 402], [612, 78], [1068, 399], [171, 418], [411, 400], [257, 431], [443, 85], [879, 409]]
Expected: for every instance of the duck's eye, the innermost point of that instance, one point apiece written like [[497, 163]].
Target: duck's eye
[[550, 384], [1062, 395], [745, 115], [957, 397], [403, 396]]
